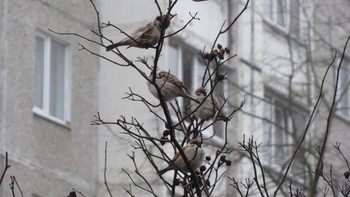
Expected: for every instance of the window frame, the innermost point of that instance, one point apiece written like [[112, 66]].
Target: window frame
[[270, 16], [45, 110], [274, 99]]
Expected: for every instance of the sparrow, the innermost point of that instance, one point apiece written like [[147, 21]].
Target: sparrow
[[194, 154], [171, 87], [209, 106], [145, 37]]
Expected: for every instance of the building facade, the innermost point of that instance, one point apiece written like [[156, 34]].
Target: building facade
[[50, 90], [47, 96]]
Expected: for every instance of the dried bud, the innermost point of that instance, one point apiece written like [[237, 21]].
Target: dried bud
[[220, 76], [227, 50], [211, 57], [222, 50], [163, 140], [215, 53], [347, 174], [219, 46], [208, 158], [221, 56], [202, 168], [228, 162], [206, 55], [166, 133]]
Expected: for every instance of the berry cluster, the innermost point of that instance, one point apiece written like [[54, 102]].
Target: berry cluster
[[217, 53]]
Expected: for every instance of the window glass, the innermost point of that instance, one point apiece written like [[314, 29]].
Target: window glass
[[39, 72], [57, 80]]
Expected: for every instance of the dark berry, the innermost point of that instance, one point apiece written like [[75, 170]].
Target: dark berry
[[347, 174], [202, 168], [223, 158], [72, 194], [166, 133], [208, 158], [227, 50], [206, 55], [228, 162], [177, 182]]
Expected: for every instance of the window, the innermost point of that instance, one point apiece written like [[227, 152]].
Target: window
[[281, 128], [52, 87], [187, 65], [343, 91], [276, 127], [284, 14]]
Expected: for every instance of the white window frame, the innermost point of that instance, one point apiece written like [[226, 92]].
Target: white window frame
[[271, 156], [272, 18], [44, 112], [274, 15]]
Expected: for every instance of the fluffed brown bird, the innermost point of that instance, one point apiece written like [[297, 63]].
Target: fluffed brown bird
[[145, 37], [209, 106], [171, 87], [194, 154]]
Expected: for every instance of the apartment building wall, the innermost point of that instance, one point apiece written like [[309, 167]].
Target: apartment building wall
[[52, 147]]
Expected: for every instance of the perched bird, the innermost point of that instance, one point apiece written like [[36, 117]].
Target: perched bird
[[170, 86], [145, 37], [194, 154], [209, 106]]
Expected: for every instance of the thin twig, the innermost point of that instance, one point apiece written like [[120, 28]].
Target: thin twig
[[329, 119], [305, 130], [13, 179], [105, 173], [7, 166]]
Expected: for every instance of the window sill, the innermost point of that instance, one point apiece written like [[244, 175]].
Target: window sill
[[42, 114], [343, 117]]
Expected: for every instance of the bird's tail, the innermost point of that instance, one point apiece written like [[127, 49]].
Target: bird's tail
[[115, 45]]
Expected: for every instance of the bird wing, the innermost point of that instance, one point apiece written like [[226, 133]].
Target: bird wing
[[143, 34], [215, 102], [172, 79]]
